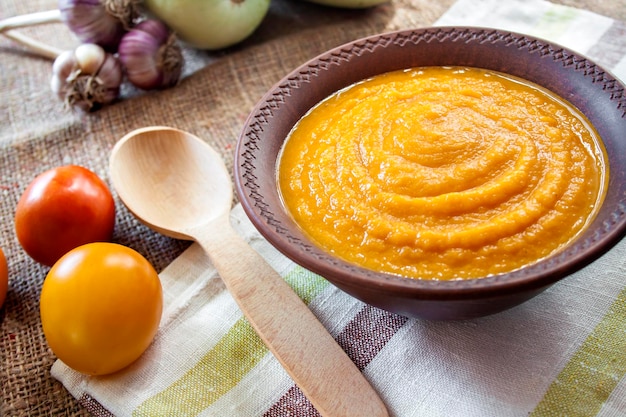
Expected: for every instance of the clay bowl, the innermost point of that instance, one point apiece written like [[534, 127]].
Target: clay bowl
[[593, 90]]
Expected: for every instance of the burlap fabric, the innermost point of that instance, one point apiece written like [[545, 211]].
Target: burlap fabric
[[212, 101]]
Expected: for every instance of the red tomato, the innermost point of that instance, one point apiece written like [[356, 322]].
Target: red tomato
[[61, 209], [100, 307], [4, 278]]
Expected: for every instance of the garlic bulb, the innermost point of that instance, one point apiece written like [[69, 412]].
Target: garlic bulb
[[86, 78], [151, 55], [102, 22]]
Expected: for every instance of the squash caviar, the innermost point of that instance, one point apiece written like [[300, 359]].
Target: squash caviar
[[443, 173]]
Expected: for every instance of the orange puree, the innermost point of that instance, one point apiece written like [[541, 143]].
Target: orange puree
[[443, 173]]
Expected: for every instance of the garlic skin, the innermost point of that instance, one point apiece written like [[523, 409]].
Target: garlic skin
[[102, 22], [86, 78], [151, 56]]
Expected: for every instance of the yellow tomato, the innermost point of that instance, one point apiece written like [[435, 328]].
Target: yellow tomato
[[4, 278], [100, 307]]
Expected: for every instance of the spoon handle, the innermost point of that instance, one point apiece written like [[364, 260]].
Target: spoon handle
[[316, 363]]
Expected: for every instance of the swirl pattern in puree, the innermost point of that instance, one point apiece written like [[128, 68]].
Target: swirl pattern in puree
[[443, 173]]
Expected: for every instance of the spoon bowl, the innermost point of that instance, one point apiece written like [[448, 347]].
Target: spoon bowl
[[147, 176], [178, 185]]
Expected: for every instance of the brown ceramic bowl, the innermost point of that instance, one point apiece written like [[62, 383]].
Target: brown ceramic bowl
[[593, 90]]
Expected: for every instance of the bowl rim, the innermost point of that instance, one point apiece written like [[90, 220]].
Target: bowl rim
[[539, 275]]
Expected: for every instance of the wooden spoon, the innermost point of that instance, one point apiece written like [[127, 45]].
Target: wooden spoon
[[179, 186]]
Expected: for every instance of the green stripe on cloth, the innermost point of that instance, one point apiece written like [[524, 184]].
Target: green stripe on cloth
[[221, 369], [555, 22], [593, 372]]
